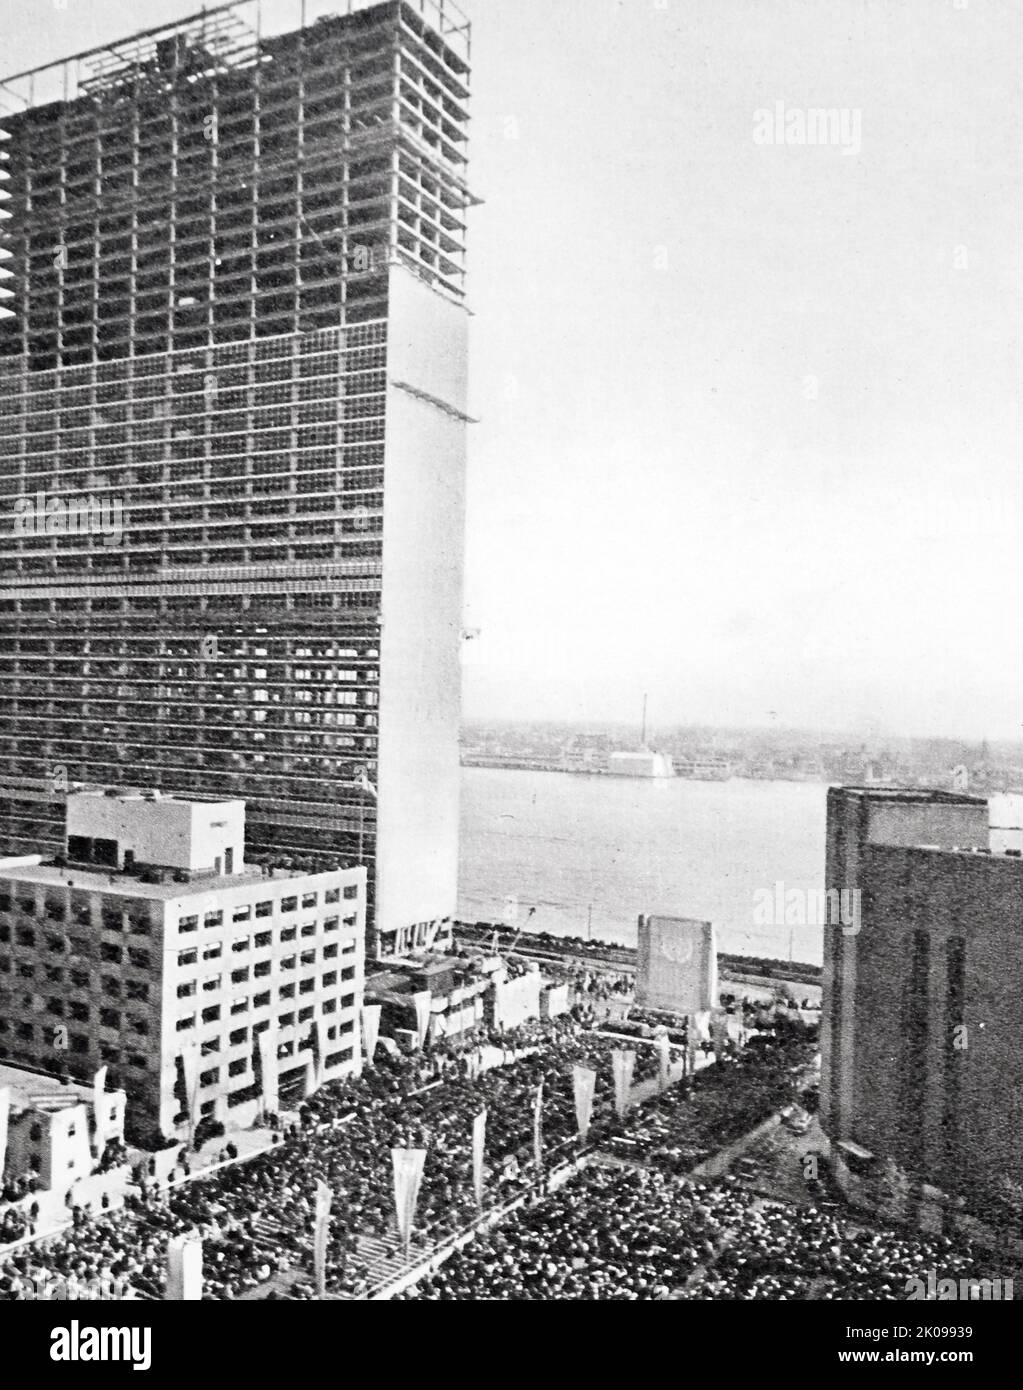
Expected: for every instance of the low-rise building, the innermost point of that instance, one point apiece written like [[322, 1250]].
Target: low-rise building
[[442, 994], [151, 948], [450, 997], [57, 1131], [642, 763]]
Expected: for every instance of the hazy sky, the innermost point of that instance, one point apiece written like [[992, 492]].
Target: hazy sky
[[750, 413]]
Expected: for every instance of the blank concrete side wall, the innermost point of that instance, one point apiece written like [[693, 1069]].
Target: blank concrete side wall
[[420, 653]]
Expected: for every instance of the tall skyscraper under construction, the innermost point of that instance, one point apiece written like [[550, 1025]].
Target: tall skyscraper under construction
[[232, 434]]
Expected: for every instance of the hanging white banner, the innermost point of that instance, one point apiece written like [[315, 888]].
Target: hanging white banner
[[184, 1269], [584, 1081], [408, 1175], [190, 1071], [323, 1200], [99, 1085], [269, 1070], [623, 1063], [5, 1109], [319, 1032], [479, 1141], [310, 1075], [422, 1001], [538, 1127], [370, 1030]]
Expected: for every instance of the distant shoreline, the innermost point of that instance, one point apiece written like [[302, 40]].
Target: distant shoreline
[[617, 953], [525, 765]]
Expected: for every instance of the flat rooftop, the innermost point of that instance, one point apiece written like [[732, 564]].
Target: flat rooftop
[[933, 796], [32, 1089], [151, 796], [92, 880]]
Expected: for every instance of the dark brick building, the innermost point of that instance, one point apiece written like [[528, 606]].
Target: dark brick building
[[922, 1044]]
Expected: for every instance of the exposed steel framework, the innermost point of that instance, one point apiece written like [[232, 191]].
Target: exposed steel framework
[[197, 229]]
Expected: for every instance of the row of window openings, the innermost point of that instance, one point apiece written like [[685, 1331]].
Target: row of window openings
[[110, 1018], [240, 1065], [80, 1012], [135, 990], [79, 946], [55, 909], [141, 960], [273, 358], [311, 375], [264, 939], [261, 1001], [265, 909], [115, 919], [240, 1036], [189, 988]]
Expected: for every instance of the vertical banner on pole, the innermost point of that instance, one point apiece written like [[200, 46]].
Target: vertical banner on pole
[[5, 1108], [663, 1062], [319, 1034], [184, 1269], [584, 1082], [267, 1044], [691, 1045], [479, 1140], [538, 1128], [190, 1071], [623, 1063], [323, 1199], [309, 1087], [408, 1175], [99, 1086], [422, 1001], [370, 1030]]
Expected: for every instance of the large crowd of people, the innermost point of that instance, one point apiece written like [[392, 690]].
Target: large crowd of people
[[690, 1122], [614, 1234], [343, 1137], [607, 1234]]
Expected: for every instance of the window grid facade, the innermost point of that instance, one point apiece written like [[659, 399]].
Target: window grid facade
[[194, 337], [93, 975]]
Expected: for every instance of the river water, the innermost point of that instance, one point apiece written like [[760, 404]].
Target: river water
[[601, 850]]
